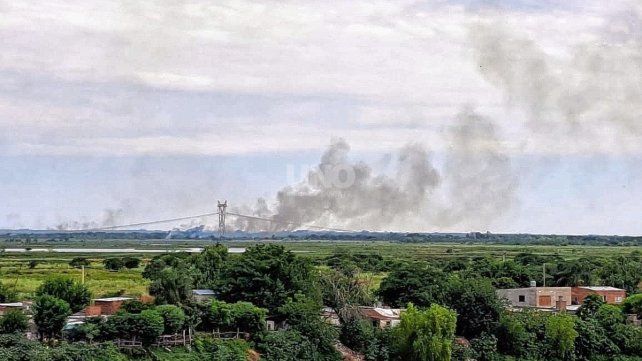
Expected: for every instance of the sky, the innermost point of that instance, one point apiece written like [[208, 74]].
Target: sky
[[116, 111]]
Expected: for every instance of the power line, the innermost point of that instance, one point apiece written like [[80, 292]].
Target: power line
[[271, 220], [145, 223], [289, 223]]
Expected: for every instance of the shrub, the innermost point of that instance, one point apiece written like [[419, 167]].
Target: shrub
[[173, 318], [78, 262], [131, 262], [13, 321], [113, 264]]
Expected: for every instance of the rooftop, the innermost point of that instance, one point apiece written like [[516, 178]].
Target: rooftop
[[601, 288], [113, 299], [378, 313], [203, 292]]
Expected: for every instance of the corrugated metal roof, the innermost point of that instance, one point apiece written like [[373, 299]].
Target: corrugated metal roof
[[203, 292], [113, 299], [601, 288]]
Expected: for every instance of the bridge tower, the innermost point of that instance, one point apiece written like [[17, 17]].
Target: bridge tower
[[221, 218]]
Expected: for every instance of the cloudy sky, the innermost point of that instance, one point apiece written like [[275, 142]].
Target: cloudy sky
[[121, 111]]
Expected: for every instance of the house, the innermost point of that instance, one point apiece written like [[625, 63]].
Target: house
[[610, 295], [4, 307], [550, 298], [203, 295], [108, 305], [330, 316], [381, 317]]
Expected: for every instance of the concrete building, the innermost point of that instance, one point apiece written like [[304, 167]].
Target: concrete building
[[537, 297], [109, 305], [382, 317], [203, 295], [610, 295]]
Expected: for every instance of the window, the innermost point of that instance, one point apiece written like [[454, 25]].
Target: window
[[522, 298]]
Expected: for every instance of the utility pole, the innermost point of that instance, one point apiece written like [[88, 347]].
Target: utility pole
[[221, 218], [83, 274], [544, 274]]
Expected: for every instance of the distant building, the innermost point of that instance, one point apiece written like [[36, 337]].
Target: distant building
[[5, 307], [610, 295], [537, 297], [109, 305], [382, 317], [203, 295], [330, 316]]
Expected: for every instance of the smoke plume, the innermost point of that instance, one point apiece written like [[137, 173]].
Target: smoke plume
[[587, 95], [474, 187]]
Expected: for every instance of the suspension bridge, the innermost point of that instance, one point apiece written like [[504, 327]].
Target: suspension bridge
[[222, 213]]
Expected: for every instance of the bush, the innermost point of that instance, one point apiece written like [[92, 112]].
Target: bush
[[113, 264], [6, 295], [135, 306], [78, 262], [243, 316], [287, 346], [173, 318], [223, 350], [131, 262], [14, 321]]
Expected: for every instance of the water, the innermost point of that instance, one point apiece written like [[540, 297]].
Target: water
[[117, 250]]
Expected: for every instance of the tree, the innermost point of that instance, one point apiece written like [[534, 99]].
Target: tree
[[210, 264], [514, 336], [113, 264], [131, 262], [145, 326], [608, 316], [590, 306], [592, 340], [242, 316], [477, 305], [172, 286], [560, 335], [302, 315], [628, 338], [417, 283], [267, 276], [173, 318], [79, 262], [633, 304], [425, 335], [13, 321], [344, 291], [150, 325], [49, 315], [75, 294], [135, 306]]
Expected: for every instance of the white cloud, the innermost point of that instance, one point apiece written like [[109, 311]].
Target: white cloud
[[402, 70]]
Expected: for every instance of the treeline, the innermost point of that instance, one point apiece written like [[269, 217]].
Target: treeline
[[472, 237], [452, 310]]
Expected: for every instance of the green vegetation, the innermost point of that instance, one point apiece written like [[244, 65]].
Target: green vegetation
[[448, 290]]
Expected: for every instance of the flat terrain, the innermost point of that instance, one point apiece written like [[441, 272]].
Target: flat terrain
[[15, 271]]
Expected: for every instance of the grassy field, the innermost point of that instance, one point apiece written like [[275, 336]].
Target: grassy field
[[16, 273]]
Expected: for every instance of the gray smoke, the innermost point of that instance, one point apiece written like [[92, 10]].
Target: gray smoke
[[476, 186], [479, 178], [596, 90]]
